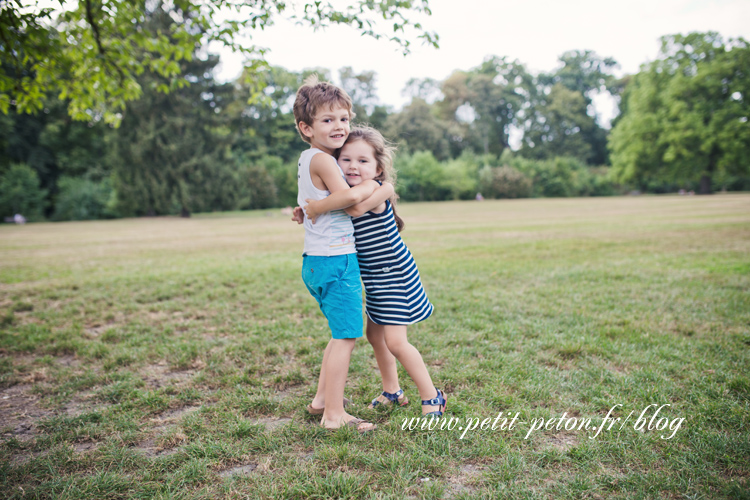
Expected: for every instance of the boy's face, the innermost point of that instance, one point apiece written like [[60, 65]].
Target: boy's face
[[329, 129]]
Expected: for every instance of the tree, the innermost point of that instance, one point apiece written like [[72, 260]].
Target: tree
[[484, 103], [80, 198], [558, 125], [361, 88], [585, 72], [171, 154], [498, 90], [54, 146], [686, 114], [264, 126], [90, 51], [560, 119], [418, 129], [20, 193]]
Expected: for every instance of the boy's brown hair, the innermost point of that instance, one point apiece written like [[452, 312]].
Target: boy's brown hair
[[314, 95]]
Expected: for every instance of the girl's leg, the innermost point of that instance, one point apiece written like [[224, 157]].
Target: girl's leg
[[386, 361], [409, 357]]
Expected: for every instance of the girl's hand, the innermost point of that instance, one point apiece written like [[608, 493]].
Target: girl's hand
[[298, 215], [312, 214]]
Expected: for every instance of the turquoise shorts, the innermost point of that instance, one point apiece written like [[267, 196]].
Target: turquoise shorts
[[335, 284]]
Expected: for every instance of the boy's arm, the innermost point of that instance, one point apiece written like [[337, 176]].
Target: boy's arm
[[381, 194], [316, 207], [341, 199]]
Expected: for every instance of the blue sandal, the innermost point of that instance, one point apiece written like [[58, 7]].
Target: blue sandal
[[441, 400], [387, 398]]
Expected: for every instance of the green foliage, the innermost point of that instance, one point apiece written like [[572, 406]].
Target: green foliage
[[503, 182], [361, 88], [284, 176], [560, 126], [559, 119], [54, 146], [172, 152], [480, 105], [83, 199], [20, 193], [208, 147], [421, 177], [260, 186], [264, 125], [417, 128], [462, 176], [585, 72], [685, 116], [93, 56], [554, 177]]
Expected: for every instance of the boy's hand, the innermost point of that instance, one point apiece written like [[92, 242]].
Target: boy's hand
[[312, 214], [298, 215]]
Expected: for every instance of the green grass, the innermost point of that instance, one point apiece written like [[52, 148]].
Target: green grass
[[170, 358]]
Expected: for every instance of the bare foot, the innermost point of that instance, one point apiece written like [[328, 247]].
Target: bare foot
[[351, 421]]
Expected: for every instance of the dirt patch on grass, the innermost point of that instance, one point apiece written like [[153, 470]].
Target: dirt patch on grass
[[84, 447], [463, 482], [19, 459], [177, 413], [84, 402], [271, 423], [166, 436], [96, 331], [240, 470], [152, 448], [618, 368], [19, 412], [561, 442], [68, 360], [159, 375]]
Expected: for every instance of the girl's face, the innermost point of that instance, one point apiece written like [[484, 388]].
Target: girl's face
[[357, 160]]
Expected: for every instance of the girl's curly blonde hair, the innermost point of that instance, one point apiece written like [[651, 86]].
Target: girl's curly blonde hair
[[383, 152]]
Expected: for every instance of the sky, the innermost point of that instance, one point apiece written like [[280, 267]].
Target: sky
[[535, 32]]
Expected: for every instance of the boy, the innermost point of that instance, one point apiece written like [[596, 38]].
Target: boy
[[330, 270]]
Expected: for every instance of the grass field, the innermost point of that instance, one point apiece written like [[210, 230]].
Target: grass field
[[171, 358]]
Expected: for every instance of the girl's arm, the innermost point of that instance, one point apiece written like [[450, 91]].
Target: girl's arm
[[298, 215], [341, 199], [377, 199]]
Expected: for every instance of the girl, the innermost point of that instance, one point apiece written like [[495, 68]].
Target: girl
[[394, 294]]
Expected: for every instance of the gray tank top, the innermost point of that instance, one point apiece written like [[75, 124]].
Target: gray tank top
[[333, 232]]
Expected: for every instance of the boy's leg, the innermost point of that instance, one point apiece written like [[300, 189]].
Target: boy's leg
[[336, 366], [411, 359], [319, 401], [336, 371], [386, 361]]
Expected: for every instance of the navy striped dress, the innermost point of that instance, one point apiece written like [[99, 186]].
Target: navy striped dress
[[393, 290]]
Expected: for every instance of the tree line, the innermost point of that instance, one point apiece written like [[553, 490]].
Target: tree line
[[212, 146]]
